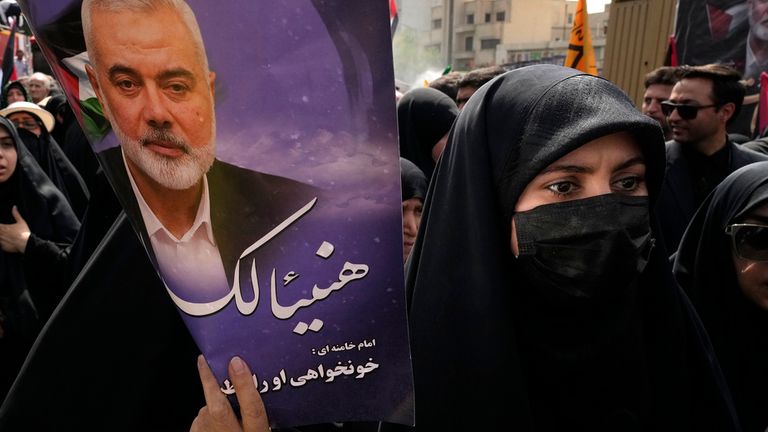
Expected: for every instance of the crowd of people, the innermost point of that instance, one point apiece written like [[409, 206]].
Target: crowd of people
[[44, 198], [601, 265], [636, 248]]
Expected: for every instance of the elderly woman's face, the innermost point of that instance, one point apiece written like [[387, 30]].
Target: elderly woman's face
[[8, 155], [14, 95], [752, 273], [609, 164]]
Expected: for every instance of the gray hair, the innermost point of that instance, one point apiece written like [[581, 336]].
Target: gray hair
[[180, 6], [39, 76]]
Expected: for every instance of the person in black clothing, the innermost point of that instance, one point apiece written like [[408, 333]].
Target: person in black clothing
[[14, 92], [424, 117], [72, 140], [702, 104], [535, 274], [722, 264], [34, 127], [31, 209]]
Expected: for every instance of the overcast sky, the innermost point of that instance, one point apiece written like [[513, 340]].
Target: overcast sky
[[596, 5]]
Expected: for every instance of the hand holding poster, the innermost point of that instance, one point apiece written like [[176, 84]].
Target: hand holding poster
[[252, 147]]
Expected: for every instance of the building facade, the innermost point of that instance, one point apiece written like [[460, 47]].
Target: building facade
[[476, 33]]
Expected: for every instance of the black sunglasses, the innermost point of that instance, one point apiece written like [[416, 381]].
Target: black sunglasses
[[686, 112], [749, 241]]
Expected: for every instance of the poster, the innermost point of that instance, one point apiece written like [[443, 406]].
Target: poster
[[253, 146], [712, 31], [732, 32]]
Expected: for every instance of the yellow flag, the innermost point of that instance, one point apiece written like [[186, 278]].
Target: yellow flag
[[581, 55]]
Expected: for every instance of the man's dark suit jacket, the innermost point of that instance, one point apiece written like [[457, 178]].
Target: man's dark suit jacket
[[245, 205], [677, 203]]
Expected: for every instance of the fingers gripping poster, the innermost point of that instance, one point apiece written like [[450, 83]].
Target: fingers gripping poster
[[253, 147]]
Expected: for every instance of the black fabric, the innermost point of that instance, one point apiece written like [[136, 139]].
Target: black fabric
[[115, 354], [58, 168], [49, 217], [705, 269], [413, 182], [72, 140], [63, 262], [481, 357], [759, 145], [424, 115], [707, 171], [677, 201], [580, 250]]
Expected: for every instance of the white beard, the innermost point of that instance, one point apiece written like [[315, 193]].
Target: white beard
[[177, 173]]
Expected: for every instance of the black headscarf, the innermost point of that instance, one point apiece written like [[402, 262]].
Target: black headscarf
[[50, 217], [72, 140], [16, 85], [704, 268], [655, 373], [413, 182], [424, 115], [57, 166]]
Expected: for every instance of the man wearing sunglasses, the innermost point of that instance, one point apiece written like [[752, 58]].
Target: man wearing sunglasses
[[700, 155]]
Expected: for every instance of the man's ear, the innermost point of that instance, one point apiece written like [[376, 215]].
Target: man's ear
[[211, 83], [727, 111], [96, 89]]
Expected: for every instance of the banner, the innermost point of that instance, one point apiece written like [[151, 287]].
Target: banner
[[712, 31], [718, 31], [580, 53], [253, 146]]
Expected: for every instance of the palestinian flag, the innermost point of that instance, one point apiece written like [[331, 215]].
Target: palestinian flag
[[393, 16]]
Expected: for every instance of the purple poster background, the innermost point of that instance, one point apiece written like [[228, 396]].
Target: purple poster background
[[304, 90]]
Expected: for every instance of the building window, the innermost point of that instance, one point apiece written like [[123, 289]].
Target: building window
[[468, 42], [487, 17], [570, 18], [489, 43], [470, 18], [501, 16], [437, 23]]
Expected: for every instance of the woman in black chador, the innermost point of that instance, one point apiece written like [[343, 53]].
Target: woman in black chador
[[722, 264], [424, 117], [25, 192], [539, 300]]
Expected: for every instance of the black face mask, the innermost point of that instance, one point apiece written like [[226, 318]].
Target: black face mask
[[578, 249]]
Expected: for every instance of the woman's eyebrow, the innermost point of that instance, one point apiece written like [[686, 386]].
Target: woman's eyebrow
[[637, 160], [566, 168]]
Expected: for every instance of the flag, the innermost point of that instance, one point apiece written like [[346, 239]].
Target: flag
[[393, 18], [670, 57], [762, 108], [580, 54], [8, 54]]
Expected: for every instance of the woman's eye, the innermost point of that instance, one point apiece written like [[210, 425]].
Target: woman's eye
[[561, 188], [628, 183]]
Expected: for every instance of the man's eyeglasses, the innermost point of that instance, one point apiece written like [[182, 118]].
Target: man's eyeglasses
[[750, 241], [686, 112]]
